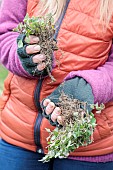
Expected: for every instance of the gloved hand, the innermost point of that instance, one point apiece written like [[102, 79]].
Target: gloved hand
[[76, 88], [29, 51]]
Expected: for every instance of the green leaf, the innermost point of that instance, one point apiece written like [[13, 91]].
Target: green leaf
[[48, 130], [27, 39], [92, 106], [53, 138], [93, 120], [26, 17], [20, 44]]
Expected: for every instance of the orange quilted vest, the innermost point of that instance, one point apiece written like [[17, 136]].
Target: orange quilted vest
[[84, 47]]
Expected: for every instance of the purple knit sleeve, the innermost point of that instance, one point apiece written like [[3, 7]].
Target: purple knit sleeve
[[12, 12], [100, 79]]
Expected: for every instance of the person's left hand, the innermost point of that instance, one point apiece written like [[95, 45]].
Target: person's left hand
[[76, 88], [30, 57]]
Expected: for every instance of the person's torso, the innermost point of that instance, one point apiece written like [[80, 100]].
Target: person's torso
[[83, 44]]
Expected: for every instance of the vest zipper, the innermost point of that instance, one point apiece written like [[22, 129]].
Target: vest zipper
[[37, 130], [39, 118], [38, 89]]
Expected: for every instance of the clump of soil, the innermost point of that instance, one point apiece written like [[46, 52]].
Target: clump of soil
[[71, 108], [77, 129], [44, 28]]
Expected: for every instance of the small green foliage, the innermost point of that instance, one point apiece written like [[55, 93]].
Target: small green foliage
[[37, 26], [98, 107], [76, 131], [66, 139]]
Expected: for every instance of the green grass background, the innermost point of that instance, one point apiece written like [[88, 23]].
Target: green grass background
[[3, 75]]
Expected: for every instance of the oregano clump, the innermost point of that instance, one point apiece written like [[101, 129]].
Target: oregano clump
[[44, 28], [77, 128]]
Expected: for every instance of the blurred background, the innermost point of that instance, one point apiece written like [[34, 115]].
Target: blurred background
[[3, 74]]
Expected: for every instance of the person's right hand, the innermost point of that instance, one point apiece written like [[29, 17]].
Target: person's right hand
[[76, 88], [34, 48], [29, 54]]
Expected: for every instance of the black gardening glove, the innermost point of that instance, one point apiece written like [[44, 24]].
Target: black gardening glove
[[26, 59], [76, 88]]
